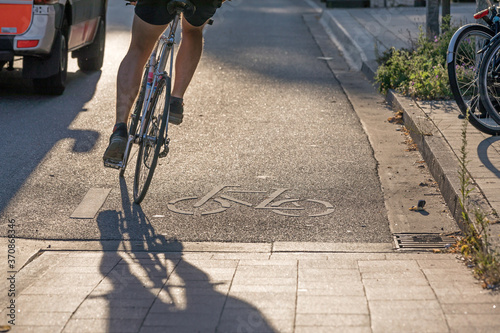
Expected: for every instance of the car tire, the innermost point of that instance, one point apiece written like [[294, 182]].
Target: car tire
[[91, 57], [55, 84]]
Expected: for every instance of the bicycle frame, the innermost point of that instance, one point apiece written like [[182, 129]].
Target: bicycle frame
[[156, 71]]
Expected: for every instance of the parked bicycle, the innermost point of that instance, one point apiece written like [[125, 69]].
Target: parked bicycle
[[148, 124], [466, 52]]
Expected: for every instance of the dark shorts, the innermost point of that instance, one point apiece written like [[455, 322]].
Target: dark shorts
[[155, 11]]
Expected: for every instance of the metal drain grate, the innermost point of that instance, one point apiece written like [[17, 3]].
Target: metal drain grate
[[422, 241]]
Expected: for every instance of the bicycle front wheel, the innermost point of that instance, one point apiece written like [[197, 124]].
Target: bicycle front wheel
[[489, 81], [135, 119], [152, 139], [463, 72]]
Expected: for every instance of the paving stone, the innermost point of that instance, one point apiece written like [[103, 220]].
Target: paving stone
[[193, 270], [209, 263], [176, 329], [222, 289], [330, 329], [407, 292], [100, 269], [58, 290], [103, 303], [332, 320], [328, 264], [112, 311], [78, 325], [70, 279], [48, 303], [264, 281], [36, 329], [105, 260], [255, 325], [328, 285], [150, 270], [477, 321], [418, 280], [199, 304], [39, 319], [260, 300], [264, 288], [216, 285], [125, 292], [198, 279], [324, 275], [353, 288], [280, 297], [388, 266], [357, 256], [473, 329], [404, 325], [442, 264], [466, 299], [190, 256], [476, 308], [332, 304], [180, 318], [278, 313], [266, 271], [268, 263], [298, 256], [124, 280], [419, 256], [393, 275], [245, 256], [407, 316]]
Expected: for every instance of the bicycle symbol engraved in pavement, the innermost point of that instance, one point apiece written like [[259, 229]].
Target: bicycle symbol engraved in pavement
[[218, 200]]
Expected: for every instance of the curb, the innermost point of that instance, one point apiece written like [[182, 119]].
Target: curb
[[442, 161]]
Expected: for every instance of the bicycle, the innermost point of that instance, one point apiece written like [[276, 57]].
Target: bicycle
[[466, 52], [489, 79], [148, 123]]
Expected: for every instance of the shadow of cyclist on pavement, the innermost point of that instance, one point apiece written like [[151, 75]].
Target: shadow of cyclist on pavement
[[151, 288]]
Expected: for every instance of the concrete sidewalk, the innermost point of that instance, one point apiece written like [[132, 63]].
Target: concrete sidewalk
[[217, 287], [362, 35]]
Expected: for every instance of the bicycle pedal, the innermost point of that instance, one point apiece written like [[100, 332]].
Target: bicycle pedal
[[112, 164], [164, 153]]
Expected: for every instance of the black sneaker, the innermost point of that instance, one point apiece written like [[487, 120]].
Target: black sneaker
[[176, 110], [117, 145]]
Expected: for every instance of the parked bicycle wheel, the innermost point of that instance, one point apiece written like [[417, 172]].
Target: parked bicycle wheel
[[489, 81], [153, 140], [463, 72]]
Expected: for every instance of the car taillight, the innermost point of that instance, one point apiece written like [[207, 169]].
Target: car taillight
[[481, 14], [23, 44], [45, 2]]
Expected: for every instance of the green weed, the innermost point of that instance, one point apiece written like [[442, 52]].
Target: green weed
[[419, 72]]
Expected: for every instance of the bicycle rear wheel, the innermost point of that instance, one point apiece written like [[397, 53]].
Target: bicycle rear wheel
[[152, 140], [489, 81], [463, 73]]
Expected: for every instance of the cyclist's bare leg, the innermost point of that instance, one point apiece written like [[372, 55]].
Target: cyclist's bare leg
[[144, 37], [188, 57]]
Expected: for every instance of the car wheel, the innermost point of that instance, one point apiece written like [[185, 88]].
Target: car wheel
[[91, 57], [55, 84]]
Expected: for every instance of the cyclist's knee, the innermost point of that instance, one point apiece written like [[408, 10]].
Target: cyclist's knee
[[188, 28]]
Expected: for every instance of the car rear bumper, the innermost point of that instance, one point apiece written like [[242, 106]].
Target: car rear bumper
[[39, 37]]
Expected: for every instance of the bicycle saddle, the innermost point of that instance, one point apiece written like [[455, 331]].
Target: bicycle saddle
[[184, 6]]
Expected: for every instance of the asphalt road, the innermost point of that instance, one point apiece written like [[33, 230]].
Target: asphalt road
[[268, 131]]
